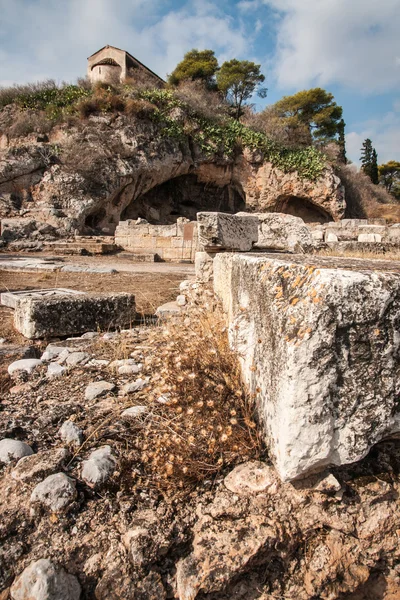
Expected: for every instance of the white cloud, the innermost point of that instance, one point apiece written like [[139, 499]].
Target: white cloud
[[49, 38], [322, 42], [385, 136]]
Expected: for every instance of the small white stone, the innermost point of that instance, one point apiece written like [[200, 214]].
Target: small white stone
[[133, 386], [99, 466], [97, 363], [251, 477], [52, 352], [129, 369], [56, 492], [328, 484], [134, 412], [42, 581], [71, 434], [3, 340], [181, 300], [90, 335], [25, 364], [98, 388], [109, 336], [13, 450], [76, 358], [55, 370]]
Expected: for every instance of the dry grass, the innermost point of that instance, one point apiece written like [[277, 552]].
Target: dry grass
[[364, 199], [201, 418]]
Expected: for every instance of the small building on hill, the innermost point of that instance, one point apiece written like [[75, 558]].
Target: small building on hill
[[113, 65]]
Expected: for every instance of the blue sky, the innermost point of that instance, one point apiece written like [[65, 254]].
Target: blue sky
[[349, 47]]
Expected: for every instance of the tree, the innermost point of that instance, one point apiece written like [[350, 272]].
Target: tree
[[369, 161], [238, 80], [197, 65], [313, 110], [342, 141], [389, 177]]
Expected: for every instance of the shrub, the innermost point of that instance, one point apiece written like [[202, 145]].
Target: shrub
[[201, 415], [139, 108], [201, 101]]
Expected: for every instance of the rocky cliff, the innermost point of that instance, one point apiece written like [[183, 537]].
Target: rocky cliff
[[88, 175]]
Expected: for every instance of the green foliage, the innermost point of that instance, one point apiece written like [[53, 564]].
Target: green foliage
[[369, 161], [238, 79], [314, 110], [342, 141], [44, 96], [196, 65], [389, 177], [227, 137]]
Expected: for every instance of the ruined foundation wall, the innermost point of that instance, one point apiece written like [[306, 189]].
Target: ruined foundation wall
[[171, 243]]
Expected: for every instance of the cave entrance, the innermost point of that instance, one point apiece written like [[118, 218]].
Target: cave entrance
[[303, 208], [184, 196]]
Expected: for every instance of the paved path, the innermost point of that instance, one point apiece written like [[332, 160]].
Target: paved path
[[88, 264]]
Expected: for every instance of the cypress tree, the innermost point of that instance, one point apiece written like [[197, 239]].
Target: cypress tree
[[342, 141], [369, 161]]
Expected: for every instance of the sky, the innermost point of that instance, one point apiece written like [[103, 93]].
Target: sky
[[349, 47]]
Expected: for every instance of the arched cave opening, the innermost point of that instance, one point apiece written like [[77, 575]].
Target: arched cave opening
[[303, 208], [93, 220], [184, 196]]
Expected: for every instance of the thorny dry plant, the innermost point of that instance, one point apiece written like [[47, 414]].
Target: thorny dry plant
[[201, 418]]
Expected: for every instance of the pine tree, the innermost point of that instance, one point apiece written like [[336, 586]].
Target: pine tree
[[369, 161]]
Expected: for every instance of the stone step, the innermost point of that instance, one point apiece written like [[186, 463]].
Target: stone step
[[138, 257]]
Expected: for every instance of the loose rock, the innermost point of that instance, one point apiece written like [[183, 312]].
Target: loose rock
[[99, 467], [41, 580], [25, 364], [98, 388], [37, 466], [55, 370], [251, 477], [13, 450], [56, 492], [134, 412], [71, 434]]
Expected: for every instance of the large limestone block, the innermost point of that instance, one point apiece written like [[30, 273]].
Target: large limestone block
[[319, 346], [278, 231], [221, 231], [69, 315]]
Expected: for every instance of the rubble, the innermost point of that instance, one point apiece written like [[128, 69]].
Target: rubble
[[71, 433]]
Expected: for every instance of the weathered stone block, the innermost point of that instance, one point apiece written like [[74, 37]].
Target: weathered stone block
[[11, 299], [221, 231], [163, 242], [369, 237], [320, 347], [69, 315], [285, 233], [330, 236]]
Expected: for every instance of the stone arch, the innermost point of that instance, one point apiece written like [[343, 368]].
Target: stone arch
[[303, 208]]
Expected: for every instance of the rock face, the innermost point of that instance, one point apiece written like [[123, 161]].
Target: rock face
[[320, 349], [269, 189], [92, 175], [43, 581]]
